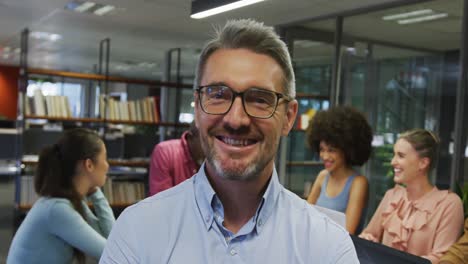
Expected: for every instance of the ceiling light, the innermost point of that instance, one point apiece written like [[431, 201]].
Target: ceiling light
[[6, 49], [307, 43], [54, 37], [104, 10], [84, 6], [408, 14], [17, 50], [422, 19], [202, 9], [45, 36], [91, 7]]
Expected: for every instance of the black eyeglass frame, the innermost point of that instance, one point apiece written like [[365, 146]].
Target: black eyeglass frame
[[279, 96]]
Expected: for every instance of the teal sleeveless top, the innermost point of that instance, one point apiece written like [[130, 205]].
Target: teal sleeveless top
[[340, 202]]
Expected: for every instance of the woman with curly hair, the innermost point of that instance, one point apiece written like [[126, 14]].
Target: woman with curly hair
[[417, 218], [342, 137]]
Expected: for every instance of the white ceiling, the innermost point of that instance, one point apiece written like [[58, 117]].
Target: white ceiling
[[438, 35], [140, 31]]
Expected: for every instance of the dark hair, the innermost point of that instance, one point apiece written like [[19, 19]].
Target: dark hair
[[57, 167], [424, 142], [344, 128]]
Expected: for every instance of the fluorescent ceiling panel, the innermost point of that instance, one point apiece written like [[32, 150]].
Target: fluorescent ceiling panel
[[209, 8], [84, 7], [408, 14], [422, 19], [104, 10]]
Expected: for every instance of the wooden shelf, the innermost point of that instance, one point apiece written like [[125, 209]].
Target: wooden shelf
[[29, 162], [98, 77], [100, 120], [303, 163], [71, 119], [125, 163], [312, 96], [128, 163], [167, 124]]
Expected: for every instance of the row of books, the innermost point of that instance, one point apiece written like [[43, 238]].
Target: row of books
[[51, 106], [27, 194], [145, 109], [123, 192], [117, 192]]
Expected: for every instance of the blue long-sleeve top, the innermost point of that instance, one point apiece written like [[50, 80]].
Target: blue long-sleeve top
[[52, 228]]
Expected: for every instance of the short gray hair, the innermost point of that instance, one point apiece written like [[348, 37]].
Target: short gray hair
[[255, 36]]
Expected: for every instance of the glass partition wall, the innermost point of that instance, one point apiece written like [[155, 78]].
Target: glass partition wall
[[312, 60], [402, 70]]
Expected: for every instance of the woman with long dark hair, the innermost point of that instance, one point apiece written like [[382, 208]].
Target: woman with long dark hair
[[60, 227]]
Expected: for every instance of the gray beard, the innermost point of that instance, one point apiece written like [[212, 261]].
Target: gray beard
[[252, 172]]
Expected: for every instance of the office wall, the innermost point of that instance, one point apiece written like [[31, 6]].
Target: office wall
[[9, 76]]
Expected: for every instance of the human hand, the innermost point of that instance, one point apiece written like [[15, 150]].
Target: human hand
[[92, 190], [368, 236]]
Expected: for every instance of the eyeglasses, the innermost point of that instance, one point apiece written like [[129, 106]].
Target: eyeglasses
[[257, 103]]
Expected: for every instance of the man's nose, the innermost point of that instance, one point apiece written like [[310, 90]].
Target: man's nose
[[237, 117]]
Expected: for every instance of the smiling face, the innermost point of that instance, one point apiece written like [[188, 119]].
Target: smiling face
[[333, 158], [406, 162], [239, 147]]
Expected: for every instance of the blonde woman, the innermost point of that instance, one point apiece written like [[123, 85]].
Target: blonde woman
[[418, 218]]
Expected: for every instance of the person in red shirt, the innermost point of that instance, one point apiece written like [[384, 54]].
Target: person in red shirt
[[173, 161]]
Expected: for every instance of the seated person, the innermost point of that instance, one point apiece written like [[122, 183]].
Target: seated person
[[60, 226], [343, 139], [418, 218], [174, 161], [458, 252]]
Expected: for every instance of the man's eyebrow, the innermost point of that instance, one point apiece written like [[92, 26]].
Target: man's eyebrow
[[216, 83], [224, 84]]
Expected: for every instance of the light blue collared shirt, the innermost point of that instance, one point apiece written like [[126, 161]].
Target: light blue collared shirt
[[184, 225]]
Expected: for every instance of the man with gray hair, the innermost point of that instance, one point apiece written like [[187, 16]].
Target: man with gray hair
[[234, 210]]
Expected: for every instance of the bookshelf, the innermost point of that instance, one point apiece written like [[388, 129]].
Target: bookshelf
[[301, 164], [102, 120], [128, 173]]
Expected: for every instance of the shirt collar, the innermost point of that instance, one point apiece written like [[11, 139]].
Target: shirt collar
[[204, 195], [270, 198]]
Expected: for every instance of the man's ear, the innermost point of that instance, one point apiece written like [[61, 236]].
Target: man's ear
[[290, 117], [195, 108]]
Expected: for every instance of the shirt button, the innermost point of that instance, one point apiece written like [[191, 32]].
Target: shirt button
[[260, 223], [233, 252]]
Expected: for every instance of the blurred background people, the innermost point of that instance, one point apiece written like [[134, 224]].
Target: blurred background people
[[415, 216], [342, 137], [174, 161], [60, 227]]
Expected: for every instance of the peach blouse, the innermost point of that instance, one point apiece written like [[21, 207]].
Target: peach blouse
[[426, 227]]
